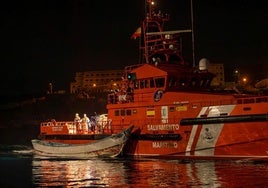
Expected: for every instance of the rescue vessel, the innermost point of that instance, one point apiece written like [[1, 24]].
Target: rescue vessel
[[172, 107]]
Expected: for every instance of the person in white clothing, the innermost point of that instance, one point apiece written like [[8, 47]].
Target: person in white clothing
[[86, 123]]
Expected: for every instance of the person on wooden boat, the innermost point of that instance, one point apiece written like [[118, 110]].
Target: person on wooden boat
[[85, 123], [92, 122], [77, 121], [53, 121], [101, 122]]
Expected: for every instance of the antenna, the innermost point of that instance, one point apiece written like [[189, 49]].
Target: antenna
[[192, 25], [150, 7]]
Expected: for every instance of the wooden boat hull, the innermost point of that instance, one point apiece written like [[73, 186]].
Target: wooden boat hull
[[110, 146], [73, 139]]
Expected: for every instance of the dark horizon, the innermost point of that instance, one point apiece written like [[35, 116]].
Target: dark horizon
[[48, 41]]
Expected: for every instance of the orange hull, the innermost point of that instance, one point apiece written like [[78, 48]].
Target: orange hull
[[244, 134], [248, 143]]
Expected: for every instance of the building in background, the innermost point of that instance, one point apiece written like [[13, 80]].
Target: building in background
[[218, 70], [95, 81], [89, 82]]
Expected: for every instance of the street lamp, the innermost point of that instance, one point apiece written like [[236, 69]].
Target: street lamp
[[236, 76], [244, 80]]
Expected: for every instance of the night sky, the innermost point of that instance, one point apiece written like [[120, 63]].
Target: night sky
[[49, 40]]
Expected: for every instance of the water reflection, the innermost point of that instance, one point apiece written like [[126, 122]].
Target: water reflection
[[122, 173], [202, 173], [79, 173], [147, 173], [170, 173]]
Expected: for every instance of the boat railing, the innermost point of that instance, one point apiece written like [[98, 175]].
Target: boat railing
[[70, 127], [159, 42], [246, 100], [127, 97], [157, 16], [60, 123], [214, 102], [120, 97]]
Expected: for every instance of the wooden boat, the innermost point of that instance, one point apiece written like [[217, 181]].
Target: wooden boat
[[110, 146], [172, 107]]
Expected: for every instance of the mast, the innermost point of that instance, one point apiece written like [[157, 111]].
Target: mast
[[158, 45], [192, 25], [150, 3], [145, 25]]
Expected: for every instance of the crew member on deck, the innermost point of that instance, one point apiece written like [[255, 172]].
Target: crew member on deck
[[85, 123], [77, 118], [77, 121]]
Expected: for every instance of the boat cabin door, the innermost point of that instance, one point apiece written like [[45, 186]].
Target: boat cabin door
[[164, 114]]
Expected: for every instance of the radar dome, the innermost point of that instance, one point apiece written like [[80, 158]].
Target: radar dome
[[203, 64]]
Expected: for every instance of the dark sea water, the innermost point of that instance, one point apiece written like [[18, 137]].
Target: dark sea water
[[19, 167]]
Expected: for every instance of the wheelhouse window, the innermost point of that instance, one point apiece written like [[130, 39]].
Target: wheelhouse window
[[136, 84], [171, 108], [116, 112], [149, 83], [246, 101], [263, 99], [128, 112], [142, 84], [160, 82], [122, 112], [152, 85], [172, 81]]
